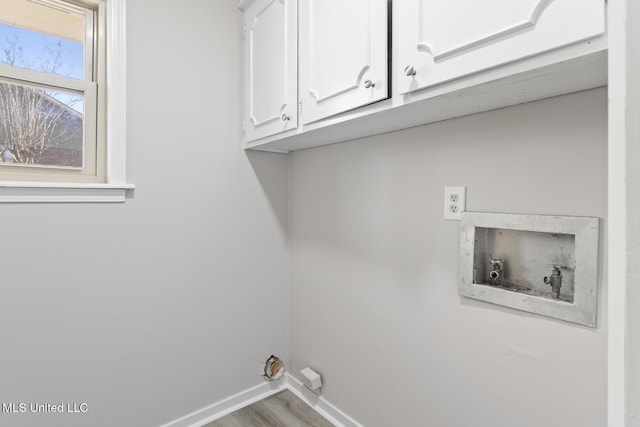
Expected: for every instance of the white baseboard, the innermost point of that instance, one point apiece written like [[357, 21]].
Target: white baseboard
[[262, 391], [229, 405], [319, 404]]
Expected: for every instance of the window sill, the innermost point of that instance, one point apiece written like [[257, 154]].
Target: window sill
[[45, 192]]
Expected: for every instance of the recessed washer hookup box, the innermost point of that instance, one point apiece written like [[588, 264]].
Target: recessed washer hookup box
[[541, 264]]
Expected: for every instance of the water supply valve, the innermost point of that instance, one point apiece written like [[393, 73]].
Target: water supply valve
[[555, 280], [497, 271]]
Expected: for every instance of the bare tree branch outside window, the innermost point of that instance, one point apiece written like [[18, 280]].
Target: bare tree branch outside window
[[39, 126]]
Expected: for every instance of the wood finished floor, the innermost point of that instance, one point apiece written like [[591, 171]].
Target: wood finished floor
[[280, 410]]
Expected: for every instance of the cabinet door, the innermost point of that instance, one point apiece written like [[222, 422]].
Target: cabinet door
[[442, 40], [270, 48], [343, 56]]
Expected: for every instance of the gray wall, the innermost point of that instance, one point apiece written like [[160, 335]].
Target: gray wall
[[374, 304], [150, 310]]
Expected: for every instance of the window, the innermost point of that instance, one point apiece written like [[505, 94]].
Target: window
[[56, 128]]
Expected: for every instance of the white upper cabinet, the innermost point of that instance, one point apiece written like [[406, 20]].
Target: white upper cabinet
[[343, 56], [443, 40], [270, 50], [316, 69]]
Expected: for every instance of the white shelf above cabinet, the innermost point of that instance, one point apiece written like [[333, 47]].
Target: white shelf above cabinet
[[579, 67]]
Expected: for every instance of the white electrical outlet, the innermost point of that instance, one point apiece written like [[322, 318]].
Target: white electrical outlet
[[454, 202]]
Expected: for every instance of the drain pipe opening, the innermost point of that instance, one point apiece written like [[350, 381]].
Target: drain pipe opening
[[273, 368]]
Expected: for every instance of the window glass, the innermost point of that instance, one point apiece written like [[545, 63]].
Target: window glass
[[45, 36], [40, 127], [52, 93]]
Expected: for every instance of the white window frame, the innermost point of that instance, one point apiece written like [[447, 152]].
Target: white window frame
[[115, 188]]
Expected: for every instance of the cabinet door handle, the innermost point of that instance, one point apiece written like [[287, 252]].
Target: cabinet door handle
[[409, 71], [368, 84], [285, 118]]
